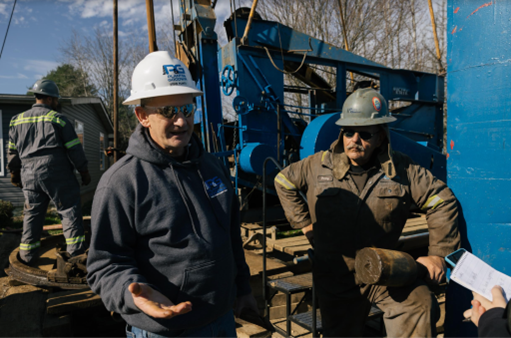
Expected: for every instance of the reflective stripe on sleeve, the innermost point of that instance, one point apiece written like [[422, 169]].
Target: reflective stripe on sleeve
[[12, 146], [27, 247], [432, 202], [283, 181], [72, 143], [75, 240], [323, 156], [50, 117]]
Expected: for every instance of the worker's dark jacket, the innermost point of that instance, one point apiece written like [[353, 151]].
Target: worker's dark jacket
[[345, 220], [46, 138], [172, 225], [495, 322]]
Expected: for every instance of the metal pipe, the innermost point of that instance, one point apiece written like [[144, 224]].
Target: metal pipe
[[116, 84], [437, 46], [249, 23], [346, 43], [151, 26], [266, 312]]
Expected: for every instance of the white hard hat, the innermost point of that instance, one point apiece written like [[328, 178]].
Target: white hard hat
[[160, 74]]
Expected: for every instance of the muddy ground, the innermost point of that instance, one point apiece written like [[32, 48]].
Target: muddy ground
[[23, 308]]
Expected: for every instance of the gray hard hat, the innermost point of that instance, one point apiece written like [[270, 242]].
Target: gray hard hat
[[45, 87], [364, 107]]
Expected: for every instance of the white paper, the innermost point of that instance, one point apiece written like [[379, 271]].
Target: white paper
[[476, 275]]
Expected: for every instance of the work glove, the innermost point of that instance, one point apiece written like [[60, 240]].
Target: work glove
[[16, 179], [85, 177]]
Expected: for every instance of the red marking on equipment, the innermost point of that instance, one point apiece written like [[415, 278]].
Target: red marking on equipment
[[452, 144], [447, 155], [454, 30], [478, 8], [456, 10]]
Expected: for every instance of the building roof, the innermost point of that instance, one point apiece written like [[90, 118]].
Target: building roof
[[96, 103]]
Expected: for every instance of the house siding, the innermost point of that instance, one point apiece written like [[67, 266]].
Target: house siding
[[85, 113]]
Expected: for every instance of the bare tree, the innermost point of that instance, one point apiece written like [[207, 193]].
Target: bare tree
[[93, 55]]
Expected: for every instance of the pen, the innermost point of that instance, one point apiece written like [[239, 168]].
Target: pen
[[465, 320]]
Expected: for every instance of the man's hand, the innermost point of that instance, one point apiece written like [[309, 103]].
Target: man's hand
[[85, 177], [16, 179], [307, 231], [480, 304], [154, 304], [436, 268], [245, 303]]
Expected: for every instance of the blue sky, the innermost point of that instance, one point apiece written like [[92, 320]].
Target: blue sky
[[39, 27]]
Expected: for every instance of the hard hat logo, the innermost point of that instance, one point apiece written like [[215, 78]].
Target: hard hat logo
[[376, 103], [160, 74], [176, 75], [176, 69]]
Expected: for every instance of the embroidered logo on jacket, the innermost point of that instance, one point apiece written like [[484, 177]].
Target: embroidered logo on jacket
[[215, 187]]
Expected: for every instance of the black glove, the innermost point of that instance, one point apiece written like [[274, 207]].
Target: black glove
[[85, 177], [16, 179]]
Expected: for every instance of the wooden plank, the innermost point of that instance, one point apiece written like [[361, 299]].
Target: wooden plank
[[245, 329], [295, 249], [282, 246], [255, 263], [68, 301], [288, 239]]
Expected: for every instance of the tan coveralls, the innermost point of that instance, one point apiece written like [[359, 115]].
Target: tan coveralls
[[345, 221]]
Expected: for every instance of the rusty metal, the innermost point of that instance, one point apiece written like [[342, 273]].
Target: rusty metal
[[116, 83], [346, 43], [69, 269], [151, 31], [249, 23], [21, 272], [435, 36], [376, 266]]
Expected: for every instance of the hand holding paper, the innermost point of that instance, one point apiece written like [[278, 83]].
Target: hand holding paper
[[480, 304]]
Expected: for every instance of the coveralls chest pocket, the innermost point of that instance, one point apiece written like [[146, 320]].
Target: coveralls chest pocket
[[390, 205]]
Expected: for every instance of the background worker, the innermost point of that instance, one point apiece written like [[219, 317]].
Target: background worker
[[43, 151], [360, 194], [166, 252]]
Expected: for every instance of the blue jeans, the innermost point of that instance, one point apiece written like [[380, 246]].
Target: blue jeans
[[222, 327]]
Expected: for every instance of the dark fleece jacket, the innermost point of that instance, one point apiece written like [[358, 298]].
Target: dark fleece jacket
[[172, 225]]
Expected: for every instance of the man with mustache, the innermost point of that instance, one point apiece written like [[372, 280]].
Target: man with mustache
[[44, 150], [360, 193], [166, 251]]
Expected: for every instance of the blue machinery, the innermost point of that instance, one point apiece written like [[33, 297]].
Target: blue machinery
[[479, 137], [479, 119], [252, 73]]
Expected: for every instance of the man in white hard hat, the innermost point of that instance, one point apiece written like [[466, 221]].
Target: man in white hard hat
[[360, 194], [166, 251]]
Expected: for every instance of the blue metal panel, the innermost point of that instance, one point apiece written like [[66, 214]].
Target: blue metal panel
[[253, 155], [479, 133], [319, 134]]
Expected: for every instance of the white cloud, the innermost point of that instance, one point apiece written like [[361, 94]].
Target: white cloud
[[3, 10], [39, 66], [17, 76]]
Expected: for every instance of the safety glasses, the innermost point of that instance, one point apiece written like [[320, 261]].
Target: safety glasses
[[171, 111], [364, 135]]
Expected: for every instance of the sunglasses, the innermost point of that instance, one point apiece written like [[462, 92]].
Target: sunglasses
[[364, 135], [171, 111]]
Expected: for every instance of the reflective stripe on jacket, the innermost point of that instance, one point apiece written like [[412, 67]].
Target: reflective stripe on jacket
[[41, 131], [345, 220]]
